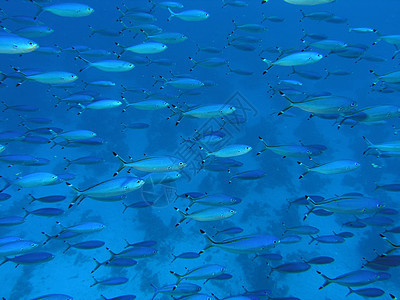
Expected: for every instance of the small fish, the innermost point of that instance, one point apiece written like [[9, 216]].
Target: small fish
[[295, 59], [72, 10], [110, 281], [335, 167], [189, 15], [230, 151], [199, 273], [244, 244], [106, 189], [207, 214], [108, 65]]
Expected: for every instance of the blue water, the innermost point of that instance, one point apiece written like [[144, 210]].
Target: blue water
[[264, 207]]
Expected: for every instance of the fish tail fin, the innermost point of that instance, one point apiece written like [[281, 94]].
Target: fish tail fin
[[307, 213], [8, 183], [49, 237], [33, 198], [351, 291], [6, 259], [69, 246], [312, 239], [265, 144], [179, 278], [86, 61], [98, 265], [68, 163], [27, 213], [172, 14], [102, 296], [369, 143], [269, 64], [74, 188], [111, 252], [95, 282], [126, 207], [175, 257], [236, 26], [303, 15], [184, 216], [306, 172], [327, 280], [6, 106], [156, 290], [210, 241], [123, 164]]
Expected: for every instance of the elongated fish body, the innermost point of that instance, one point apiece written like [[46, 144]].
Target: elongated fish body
[[153, 164], [215, 200], [150, 104], [208, 214], [374, 114], [185, 288], [30, 258], [392, 77], [147, 48], [17, 248], [209, 111], [231, 151], [335, 167], [168, 37], [103, 104], [308, 2], [351, 205], [245, 244], [293, 267], [200, 273], [385, 147], [87, 227], [111, 66], [333, 45], [192, 15], [14, 44], [356, 278], [72, 10], [323, 105], [185, 83], [290, 150], [54, 297], [75, 135], [296, 59], [35, 179], [110, 188], [55, 77]]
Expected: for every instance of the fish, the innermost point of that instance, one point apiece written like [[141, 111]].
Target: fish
[[207, 214], [31, 180], [193, 15], [229, 151], [152, 164], [14, 44], [106, 189], [72, 10], [354, 278], [247, 244], [203, 111], [199, 273], [335, 167], [295, 59], [108, 65]]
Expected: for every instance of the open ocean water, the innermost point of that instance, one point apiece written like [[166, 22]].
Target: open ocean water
[[217, 76]]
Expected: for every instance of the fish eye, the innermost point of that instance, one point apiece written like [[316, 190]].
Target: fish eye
[[275, 242], [353, 103], [181, 163], [232, 211], [15, 46]]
